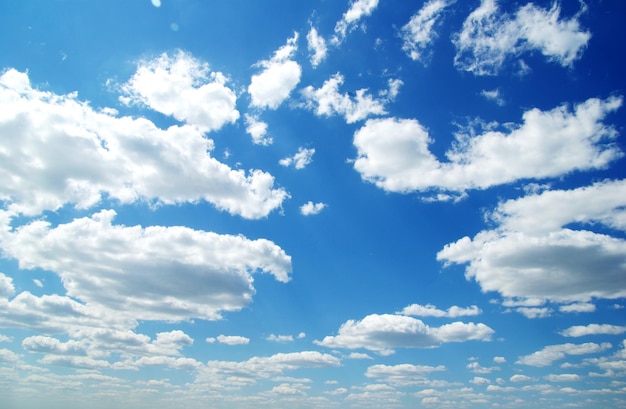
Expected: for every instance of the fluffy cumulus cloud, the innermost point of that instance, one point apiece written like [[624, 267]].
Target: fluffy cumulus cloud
[[279, 77], [258, 130], [183, 87], [59, 150], [394, 154], [354, 107], [593, 329], [229, 340], [489, 37], [300, 159], [383, 333], [430, 310], [419, 32], [551, 353], [153, 273], [358, 10], [533, 255], [311, 208], [317, 47]]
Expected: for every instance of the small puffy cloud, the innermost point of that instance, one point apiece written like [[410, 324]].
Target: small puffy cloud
[[402, 374], [185, 88], [230, 340], [499, 359], [593, 329], [317, 47], [49, 345], [358, 9], [328, 101], [477, 368], [489, 37], [280, 338], [6, 286], [430, 310], [534, 312], [165, 273], [358, 355], [300, 159], [127, 159], [38, 283], [419, 32], [565, 377], [578, 307], [383, 333], [156, 3], [311, 208], [258, 130], [394, 154], [521, 378], [551, 353], [479, 380], [531, 255], [279, 77], [493, 95]]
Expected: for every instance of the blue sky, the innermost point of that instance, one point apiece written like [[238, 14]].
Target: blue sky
[[312, 204]]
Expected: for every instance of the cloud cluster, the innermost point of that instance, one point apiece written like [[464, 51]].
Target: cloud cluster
[[358, 9], [279, 77], [430, 310], [300, 159], [383, 333], [551, 353], [394, 154], [310, 208], [59, 150], [533, 255], [489, 37], [152, 273]]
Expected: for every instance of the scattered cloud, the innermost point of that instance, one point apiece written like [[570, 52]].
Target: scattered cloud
[[403, 374], [419, 32], [300, 159], [183, 87], [311, 208], [531, 255], [258, 130], [593, 329], [493, 95], [534, 312], [565, 377], [430, 310], [383, 333], [489, 37], [317, 47], [229, 340], [358, 9], [551, 353], [393, 153], [521, 378], [578, 307], [152, 273], [61, 151], [280, 75], [280, 338], [499, 359]]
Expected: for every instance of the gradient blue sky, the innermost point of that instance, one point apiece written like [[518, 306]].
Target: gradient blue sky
[[312, 204]]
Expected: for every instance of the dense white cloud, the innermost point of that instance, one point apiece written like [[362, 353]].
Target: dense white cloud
[[185, 88], [531, 255], [593, 329], [327, 101], [59, 150], [383, 333], [358, 9], [489, 37], [230, 340], [393, 153], [166, 273], [317, 46], [520, 378], [279, 77], [419, 32], [311, 208], [552, 353], [430, 310], [258, 130], [300, 159]]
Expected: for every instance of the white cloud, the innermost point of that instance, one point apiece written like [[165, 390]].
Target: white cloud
[[358, 355], [593, 329], [493, 95], [531, 255], [419, 32], [477, 368], [185, 88], [258, 130], [327, 101], [430, 310], [317, 46], [393, 153], [383, 333], [156, 3], [280, 338], [311, 208], [279, 77], [38, 283], [578, 307], [534, 312], [499, 359], [551, 353], [521, 378], [402, 374], [59, 151], [164, 273], [565, 377], [358, 9], [300, 159], [6, 286], [479, 380], [489, 37], [230, 340]]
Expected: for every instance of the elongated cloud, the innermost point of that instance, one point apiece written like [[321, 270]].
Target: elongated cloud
[[152, 273], [58, 150], [358, 9], [394, 153], [419, 32]]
